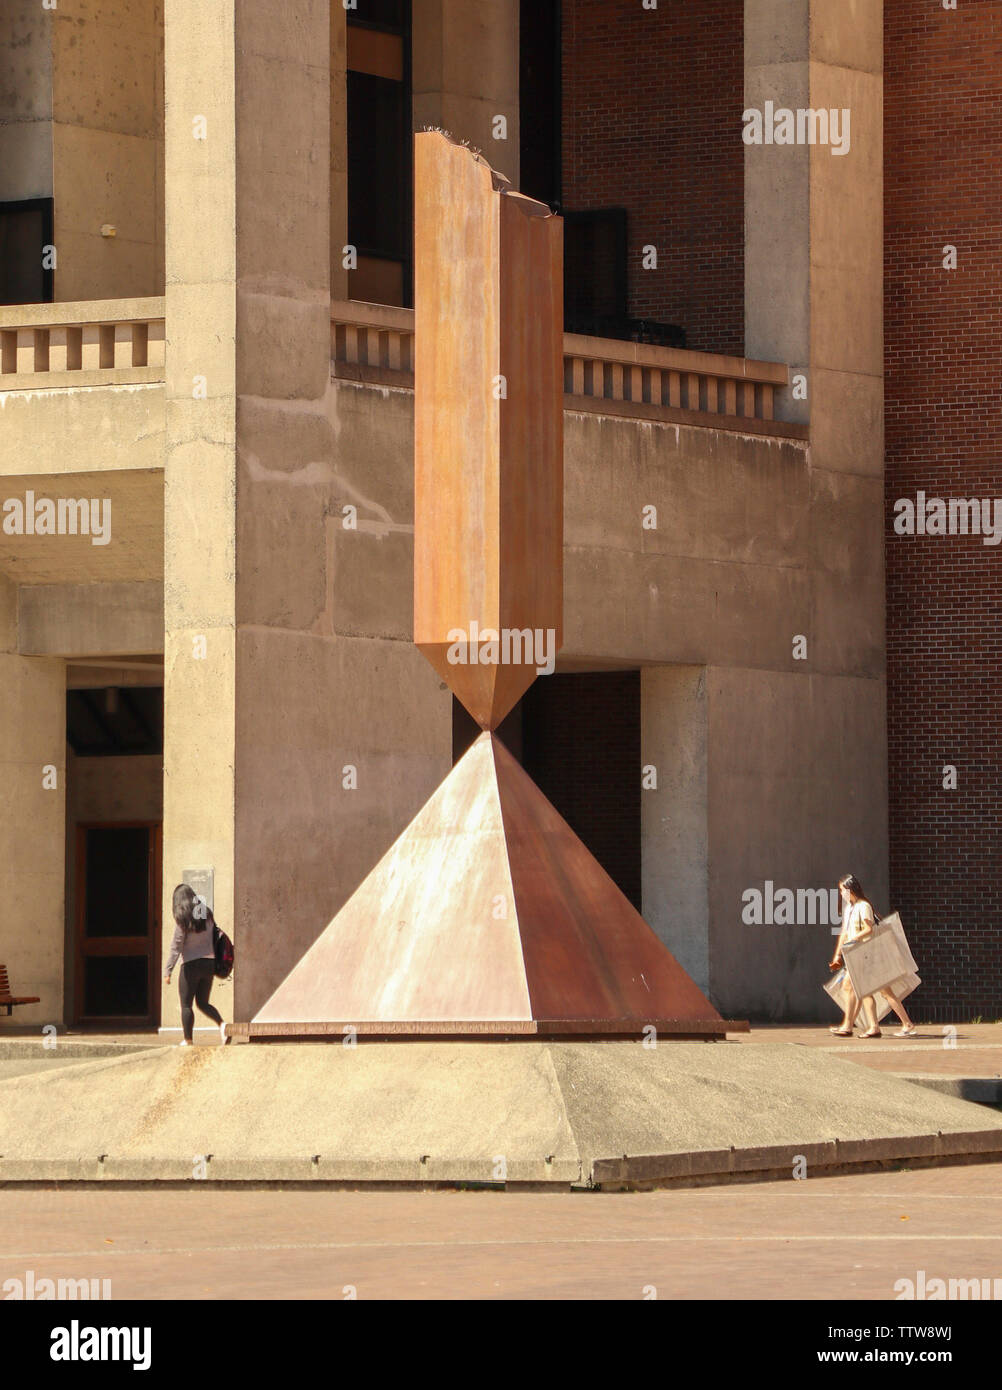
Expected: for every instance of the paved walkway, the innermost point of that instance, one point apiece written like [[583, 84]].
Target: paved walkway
[[823, 1239], [968, 1050]]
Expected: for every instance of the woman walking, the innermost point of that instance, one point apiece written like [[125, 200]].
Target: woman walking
[[194, 943], [858, 921]]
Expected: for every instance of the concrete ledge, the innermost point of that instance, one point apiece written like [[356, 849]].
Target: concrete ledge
[[12, 1049], [542, 1114], [981, 1090], [88, 311]]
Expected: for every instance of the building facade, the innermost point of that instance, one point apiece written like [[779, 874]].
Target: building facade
[[207, 339]]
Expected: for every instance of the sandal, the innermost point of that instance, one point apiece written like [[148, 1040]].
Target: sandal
[[840, 1032], [875, 1034]]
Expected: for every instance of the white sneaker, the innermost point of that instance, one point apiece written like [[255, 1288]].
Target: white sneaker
[[222, 1034], [185, 1043], [905, 1032]]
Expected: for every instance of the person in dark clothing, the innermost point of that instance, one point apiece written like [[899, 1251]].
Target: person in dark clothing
[[194, 943]]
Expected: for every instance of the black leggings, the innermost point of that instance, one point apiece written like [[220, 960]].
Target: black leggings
[[194, 984]]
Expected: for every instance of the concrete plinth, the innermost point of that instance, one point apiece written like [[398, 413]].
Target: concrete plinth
[[560, 1114]]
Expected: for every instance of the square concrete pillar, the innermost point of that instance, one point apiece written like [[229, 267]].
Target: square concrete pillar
[[32, 821], [673, 808], [814, 221], [465, 75], [248, 219]]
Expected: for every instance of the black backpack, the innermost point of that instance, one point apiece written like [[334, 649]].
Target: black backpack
[[223, 947]]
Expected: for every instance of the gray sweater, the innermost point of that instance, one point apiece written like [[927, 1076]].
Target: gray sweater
[[197, 945]]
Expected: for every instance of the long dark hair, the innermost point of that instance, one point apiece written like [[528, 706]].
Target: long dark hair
[[191, 912], [854, 886]]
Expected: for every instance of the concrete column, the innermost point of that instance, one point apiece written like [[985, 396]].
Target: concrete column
[[248, 327], [339, 149], [847, 228], [814, 221], [777, 194], [674, 847], [200, 463], [108, 112], [32, 820], [26, 102], [291, 758], [465, 74]]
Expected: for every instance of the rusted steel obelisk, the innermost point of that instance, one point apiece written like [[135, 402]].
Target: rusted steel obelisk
[[488, 915]]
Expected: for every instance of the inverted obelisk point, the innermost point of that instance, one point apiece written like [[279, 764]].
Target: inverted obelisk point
[[488, 425]]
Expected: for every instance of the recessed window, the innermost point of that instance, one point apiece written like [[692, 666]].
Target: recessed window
[[25, 242], [115, 721], [379, 151]]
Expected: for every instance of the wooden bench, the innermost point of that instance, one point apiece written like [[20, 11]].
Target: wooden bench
[[7, 1000]]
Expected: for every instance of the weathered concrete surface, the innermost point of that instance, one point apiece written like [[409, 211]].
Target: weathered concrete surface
[[562, 1113], [108, 155], [91, 619], [465, 74], [32, 818], [64, 429]]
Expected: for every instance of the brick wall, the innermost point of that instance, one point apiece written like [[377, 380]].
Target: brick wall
[[943, 360], [652, 103]]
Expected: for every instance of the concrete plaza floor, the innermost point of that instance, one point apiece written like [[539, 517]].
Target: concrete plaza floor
[[831, 1239]]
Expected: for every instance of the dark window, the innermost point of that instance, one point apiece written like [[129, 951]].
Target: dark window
[[377, 167], [382, 14], [539, 99], [380, 197], [595, 284], [115, 721], [594, 265], [25, 232]]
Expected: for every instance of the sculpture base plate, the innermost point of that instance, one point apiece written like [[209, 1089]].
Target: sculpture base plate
[[480, 1030]]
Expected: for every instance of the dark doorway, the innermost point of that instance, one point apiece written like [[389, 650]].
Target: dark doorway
[[118, 922], [577, 734], [25, 237], [539, 99]]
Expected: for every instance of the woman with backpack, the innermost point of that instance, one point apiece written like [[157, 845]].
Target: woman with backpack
[[194, 941]]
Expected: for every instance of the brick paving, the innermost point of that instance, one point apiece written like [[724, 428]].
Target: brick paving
[[843, 1237]]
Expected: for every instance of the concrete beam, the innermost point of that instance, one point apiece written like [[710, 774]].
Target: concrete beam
[[75, 620]]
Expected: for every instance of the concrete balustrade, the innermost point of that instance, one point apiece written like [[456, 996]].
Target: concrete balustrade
[[375, 343], [112, 342], [90, 343]]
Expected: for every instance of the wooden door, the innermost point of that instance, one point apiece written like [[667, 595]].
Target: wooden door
[[118, 892]]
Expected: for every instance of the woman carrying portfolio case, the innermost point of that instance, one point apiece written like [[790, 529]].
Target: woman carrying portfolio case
[[858, 922]]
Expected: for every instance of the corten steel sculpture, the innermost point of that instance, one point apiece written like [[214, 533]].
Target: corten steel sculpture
[[488, 915]]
